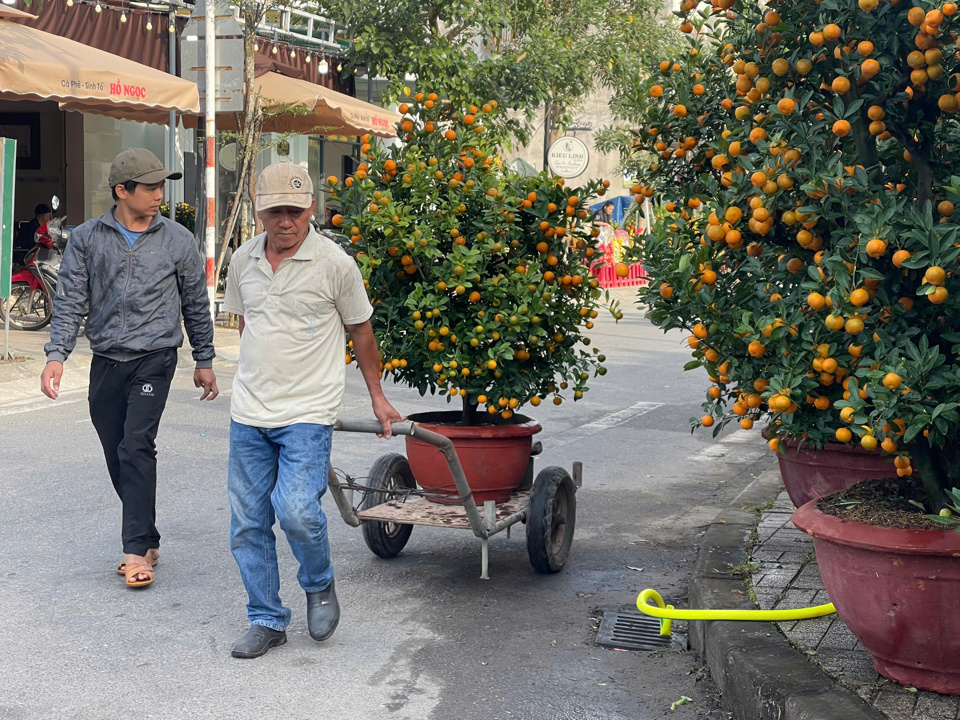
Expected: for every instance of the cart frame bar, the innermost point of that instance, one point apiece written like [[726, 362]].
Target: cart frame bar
[[482, 528]]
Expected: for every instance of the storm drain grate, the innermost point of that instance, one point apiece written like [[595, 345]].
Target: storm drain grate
[[631, 631]]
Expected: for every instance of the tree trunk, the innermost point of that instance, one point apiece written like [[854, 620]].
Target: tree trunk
[[932, 474], [551, 133], [251, 108], [546, 134], [256, 227], [924, 180], [246, 220], [865, 143], [469, 415]]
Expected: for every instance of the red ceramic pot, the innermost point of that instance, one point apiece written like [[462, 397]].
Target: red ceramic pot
[[810, 473], [897, 591], [494, 457]]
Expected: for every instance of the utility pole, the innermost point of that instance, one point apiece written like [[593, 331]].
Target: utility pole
[[172, 129], [210, 136]]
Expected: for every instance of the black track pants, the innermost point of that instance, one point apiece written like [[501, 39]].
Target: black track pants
[[126, 402]]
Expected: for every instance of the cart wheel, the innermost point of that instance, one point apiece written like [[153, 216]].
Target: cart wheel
[[551, 518], [389, 472]]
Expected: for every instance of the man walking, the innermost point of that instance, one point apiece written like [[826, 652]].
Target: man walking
[[296, 292], [138, 271]]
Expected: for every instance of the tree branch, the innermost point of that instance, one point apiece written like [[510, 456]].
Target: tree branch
[[866, 146], [924, 169], [453, 32]]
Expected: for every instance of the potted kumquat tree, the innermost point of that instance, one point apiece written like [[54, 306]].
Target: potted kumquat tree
[[479, 284], [811, 149]]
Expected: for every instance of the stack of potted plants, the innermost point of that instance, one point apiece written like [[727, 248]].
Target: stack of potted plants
[[811, 149]]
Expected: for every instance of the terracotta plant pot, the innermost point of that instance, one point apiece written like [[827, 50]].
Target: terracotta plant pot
[[810, 473], [494, 457], [897, 591]]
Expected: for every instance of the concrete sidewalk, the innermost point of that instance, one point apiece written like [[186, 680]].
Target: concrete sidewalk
[[20, 377], [795, 670]]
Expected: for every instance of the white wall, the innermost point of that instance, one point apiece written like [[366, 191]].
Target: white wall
[[595, 113]]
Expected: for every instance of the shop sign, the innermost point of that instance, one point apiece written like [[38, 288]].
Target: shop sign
[[568, 157], [8, 174]]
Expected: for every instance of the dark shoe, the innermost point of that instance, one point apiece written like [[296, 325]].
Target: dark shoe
[[323, 612], [257, 640]]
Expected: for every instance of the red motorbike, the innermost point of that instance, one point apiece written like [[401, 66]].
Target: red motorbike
[[34, 284]]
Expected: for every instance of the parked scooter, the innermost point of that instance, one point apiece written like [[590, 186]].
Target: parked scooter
[[34, 284]]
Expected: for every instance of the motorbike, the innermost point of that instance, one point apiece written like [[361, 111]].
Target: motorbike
[[34, 283]]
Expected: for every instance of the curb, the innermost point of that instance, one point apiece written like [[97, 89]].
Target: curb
[[759, 674], [20, 381]]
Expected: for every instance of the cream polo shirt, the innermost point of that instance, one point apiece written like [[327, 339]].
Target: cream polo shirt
[[291, 367]]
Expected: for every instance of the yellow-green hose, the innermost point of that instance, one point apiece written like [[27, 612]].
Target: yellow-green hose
[[667, 613]]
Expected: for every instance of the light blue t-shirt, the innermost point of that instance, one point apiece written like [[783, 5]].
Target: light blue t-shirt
[[130, 235]]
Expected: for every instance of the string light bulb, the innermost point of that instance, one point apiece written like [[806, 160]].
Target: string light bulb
[[340, 67], [323, 67], [123, 16], [97, 7], [307, 58], [149, 25], [69, 3], [274, 51], [171, 28]]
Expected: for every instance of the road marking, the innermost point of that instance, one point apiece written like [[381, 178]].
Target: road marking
[[722, 448], [739, 437], [614, 419], [30, 405]]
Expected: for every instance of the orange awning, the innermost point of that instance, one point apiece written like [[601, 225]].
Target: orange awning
[[35, 65], [315, 110]]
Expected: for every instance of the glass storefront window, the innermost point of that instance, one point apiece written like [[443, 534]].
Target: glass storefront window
[[103, 139]]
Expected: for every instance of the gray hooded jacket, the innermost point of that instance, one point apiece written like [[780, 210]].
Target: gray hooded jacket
[[135, 295]]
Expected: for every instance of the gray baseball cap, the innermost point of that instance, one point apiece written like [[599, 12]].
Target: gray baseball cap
[[139, 165]]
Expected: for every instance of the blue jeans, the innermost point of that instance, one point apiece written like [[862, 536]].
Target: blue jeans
[[278, 473]]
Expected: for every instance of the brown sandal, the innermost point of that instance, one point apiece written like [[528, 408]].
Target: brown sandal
[[153, 558], [134, 570]]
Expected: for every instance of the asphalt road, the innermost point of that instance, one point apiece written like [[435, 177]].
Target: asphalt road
[[421, 635]]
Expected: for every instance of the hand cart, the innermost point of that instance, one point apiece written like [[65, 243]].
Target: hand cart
[[392, 503]]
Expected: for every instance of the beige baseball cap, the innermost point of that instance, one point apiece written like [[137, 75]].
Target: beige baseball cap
[[139, 165], [284, 185]]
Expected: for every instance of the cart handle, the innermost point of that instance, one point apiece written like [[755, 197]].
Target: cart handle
[[405, 427], [444, 445]]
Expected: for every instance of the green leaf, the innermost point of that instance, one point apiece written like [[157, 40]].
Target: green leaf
[[912, 432], [853, 108]]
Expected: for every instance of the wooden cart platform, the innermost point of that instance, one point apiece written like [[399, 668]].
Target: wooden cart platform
[[417, 510]]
